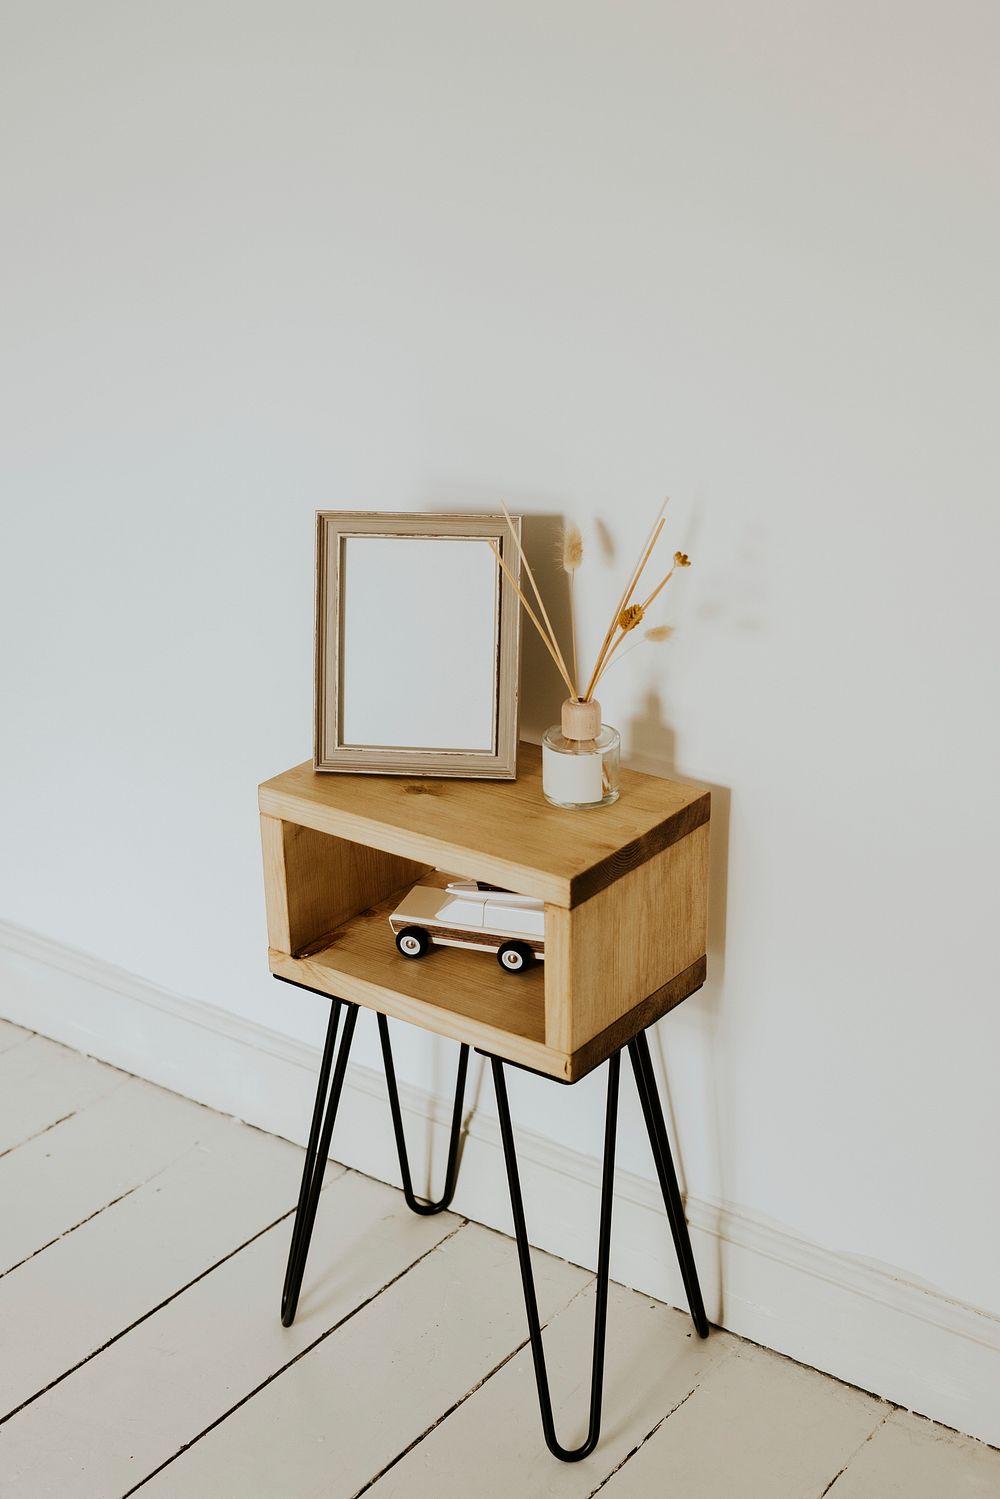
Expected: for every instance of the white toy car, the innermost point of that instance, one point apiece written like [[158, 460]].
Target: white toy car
[[469, 913]]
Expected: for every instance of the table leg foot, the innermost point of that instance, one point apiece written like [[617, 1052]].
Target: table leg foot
[[317, 1152], [645, 1080], [566, 1455], [451, 1171]]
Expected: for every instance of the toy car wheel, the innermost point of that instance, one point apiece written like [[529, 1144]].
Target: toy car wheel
[[514, 957], [413, 942]]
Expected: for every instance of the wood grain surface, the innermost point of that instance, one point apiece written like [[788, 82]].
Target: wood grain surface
[[502, 831], [626, 942], [313, 882]]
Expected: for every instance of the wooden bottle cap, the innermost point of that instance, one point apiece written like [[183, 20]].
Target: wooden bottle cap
[[581, 720]]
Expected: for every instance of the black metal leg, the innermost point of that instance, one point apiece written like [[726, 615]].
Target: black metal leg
[[451, 1171], [317, 1152], [566, 1455], [642, 1066]]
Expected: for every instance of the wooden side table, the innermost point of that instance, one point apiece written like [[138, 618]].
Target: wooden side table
[[625, 890]]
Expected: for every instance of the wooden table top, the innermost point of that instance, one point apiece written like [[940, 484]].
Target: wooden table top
[[502, 831]]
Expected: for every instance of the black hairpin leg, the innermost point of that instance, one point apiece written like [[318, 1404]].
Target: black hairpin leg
[[652, 1112], [317, 1152], [565, 1454], [451, 1170]]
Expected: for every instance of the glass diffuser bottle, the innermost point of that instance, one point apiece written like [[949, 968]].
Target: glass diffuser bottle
[[580, 758]]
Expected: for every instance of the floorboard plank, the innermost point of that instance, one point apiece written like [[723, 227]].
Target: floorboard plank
[[61, 1306], [60, 1178], [653, 1363], [338, 1417], [909, 1458], [120, 1416], [758, 1427], [161, 1258], [41, 1082]]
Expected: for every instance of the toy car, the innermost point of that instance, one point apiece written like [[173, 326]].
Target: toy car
[[469, 913]]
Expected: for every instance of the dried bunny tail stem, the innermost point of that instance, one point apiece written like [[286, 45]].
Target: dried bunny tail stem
[[533, 617], [572, 633], [572, 556], [572, 548], [630, 588], [541, 603]]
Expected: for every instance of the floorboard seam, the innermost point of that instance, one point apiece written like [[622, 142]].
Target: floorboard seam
[[435, 1424], [462, 1399], [72, 1230], [838, 1476], [145, 1316], [650, 1433], [300, 1355], [167, 1165], [711, 1370], [38, 1133]]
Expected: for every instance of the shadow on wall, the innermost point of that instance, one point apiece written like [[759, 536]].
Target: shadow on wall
[[542, 688], [649, 740], [651, 744]]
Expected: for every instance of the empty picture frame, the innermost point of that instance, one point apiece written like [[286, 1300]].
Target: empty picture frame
[[417, 644]]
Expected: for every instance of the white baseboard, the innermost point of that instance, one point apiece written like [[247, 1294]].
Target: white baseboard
[[862, 1323]]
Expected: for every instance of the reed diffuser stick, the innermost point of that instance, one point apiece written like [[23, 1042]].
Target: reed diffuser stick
[[625, 620], [624, 601], [534, 619], [541, 604]]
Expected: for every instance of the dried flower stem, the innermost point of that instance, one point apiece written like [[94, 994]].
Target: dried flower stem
[[554, 643], [609, 656], [546, 641], [625, 620], [659, 587], [623, 602], [680, 560]]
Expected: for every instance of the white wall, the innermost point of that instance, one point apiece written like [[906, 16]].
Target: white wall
[[264, 258]]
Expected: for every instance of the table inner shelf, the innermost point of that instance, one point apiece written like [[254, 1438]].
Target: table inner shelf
[[454, 991]]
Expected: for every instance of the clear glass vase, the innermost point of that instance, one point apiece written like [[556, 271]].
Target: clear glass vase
[[580, 758]]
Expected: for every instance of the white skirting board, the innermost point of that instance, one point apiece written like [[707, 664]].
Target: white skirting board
[[862, 1323]]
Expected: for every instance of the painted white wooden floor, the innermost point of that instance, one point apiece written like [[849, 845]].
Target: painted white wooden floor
[[142, 1248]]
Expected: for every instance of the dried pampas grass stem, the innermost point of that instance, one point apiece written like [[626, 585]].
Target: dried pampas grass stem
[[572, 548]]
